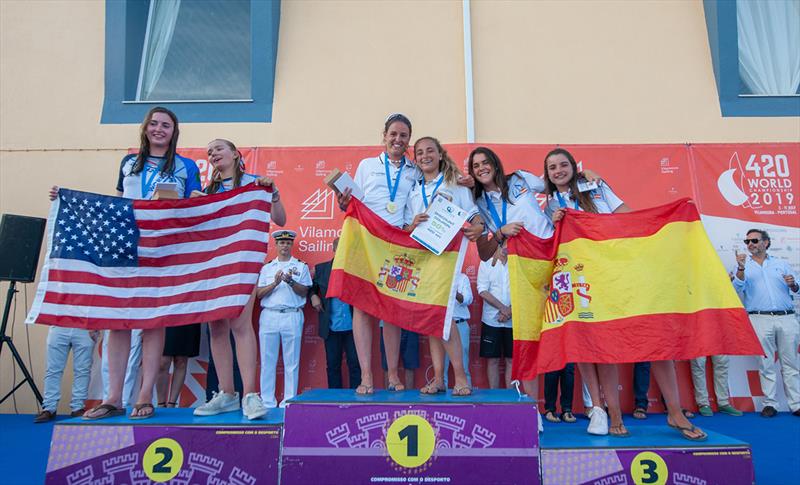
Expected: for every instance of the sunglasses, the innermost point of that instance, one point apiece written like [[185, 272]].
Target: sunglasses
[[754, 241]]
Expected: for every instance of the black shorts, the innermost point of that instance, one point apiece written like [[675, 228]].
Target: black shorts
[[496, 342]]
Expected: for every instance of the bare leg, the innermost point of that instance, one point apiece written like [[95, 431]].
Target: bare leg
[[454, 351], [391, 343], [437, 359], [119, 347], [223, 355], [409, 379], [493, 372], [507, 374], [609, 381], [531, 388], [362, 336], [667, 380], [162, 382], [246, 350], [178, 378], [589, 376], [152, 350]]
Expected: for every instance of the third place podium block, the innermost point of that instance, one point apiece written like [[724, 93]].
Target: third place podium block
[[337, 437]]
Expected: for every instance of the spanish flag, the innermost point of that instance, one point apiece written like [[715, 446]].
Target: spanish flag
[[379, 269], [630, 287]]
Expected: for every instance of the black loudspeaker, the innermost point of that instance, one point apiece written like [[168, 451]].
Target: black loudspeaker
[[20, 245]]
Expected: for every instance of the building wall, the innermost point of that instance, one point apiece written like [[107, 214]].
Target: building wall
[[544, 71]]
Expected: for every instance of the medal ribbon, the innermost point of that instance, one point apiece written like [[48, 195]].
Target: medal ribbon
[[425, 196], [147, 184], [563, 203], [493, 212], [393, 188]]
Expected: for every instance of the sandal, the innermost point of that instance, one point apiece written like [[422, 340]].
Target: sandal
[[621, 433], [688, 414], [364, 390], [640, 413], [396, 387], [568, 417], [551, 416], [162, 404], [172, 404], [110, 411], [462, 391], [139, 407], [432, 388], [691, 429]]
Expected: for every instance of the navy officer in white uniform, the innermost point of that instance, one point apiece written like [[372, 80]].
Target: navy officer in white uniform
[[282, 288]]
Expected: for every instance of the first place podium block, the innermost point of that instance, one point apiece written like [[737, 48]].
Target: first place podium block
[[173, 446], [338, 437]]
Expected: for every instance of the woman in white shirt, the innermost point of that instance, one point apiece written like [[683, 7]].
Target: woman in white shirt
[[561, 174], [440, 179], [386, 181], [508, 204]]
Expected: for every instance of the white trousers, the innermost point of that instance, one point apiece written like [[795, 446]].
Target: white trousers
[[131, 372], [277, 330], [781, 333], [59, 342], [720, 365]]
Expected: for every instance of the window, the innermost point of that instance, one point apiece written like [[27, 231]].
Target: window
[[755, 50], [208, 60]]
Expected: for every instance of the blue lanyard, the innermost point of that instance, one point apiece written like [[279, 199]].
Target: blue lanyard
[[425, 196], [393, 188], [563, 203], [493, 212], [147, 184]]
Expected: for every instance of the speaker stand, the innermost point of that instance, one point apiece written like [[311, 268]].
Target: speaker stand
[[6, 340]]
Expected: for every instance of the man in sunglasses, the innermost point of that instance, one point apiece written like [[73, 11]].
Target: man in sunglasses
[[767, 285]]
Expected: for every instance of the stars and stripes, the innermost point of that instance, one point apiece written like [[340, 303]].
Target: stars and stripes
[[117, 263]]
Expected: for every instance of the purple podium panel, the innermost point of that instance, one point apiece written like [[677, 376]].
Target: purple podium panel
[[169, 447], [335, 437], [654, 455]]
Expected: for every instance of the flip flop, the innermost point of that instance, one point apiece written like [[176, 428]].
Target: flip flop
[[551, 416], [364, 390], [432, 388], [626, 434], [110, 411], [640, 413], [691, 429], [462, 391], [139, 407], [396, 387], [568, 417]]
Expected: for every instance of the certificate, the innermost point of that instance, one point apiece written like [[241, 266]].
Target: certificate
[[445, 221]]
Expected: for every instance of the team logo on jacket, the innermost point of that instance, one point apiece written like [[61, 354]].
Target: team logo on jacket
[[399, 276], [568, 288]]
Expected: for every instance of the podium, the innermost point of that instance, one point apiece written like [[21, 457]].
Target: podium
[[654, 455], [173, 446], [337, 437]]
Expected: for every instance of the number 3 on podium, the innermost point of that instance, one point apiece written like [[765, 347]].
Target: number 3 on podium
[[647, 468], [410, 441], [162, 460]]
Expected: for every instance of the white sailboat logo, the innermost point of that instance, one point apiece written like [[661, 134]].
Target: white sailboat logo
[[731, 188]]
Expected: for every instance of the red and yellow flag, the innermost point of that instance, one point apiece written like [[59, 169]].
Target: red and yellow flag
[[630, 287], [379, 269]]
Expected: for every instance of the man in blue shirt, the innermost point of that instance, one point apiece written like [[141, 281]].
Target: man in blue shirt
[[335, 328], [767, 285]]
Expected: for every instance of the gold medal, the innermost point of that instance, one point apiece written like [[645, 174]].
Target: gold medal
[[391, 207]]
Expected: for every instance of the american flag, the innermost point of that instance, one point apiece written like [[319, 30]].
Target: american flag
[[116, 263]]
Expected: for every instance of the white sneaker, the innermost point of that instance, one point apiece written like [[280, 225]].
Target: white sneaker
[[539, 423], [598, 422], [220, 403], [253, 407]]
